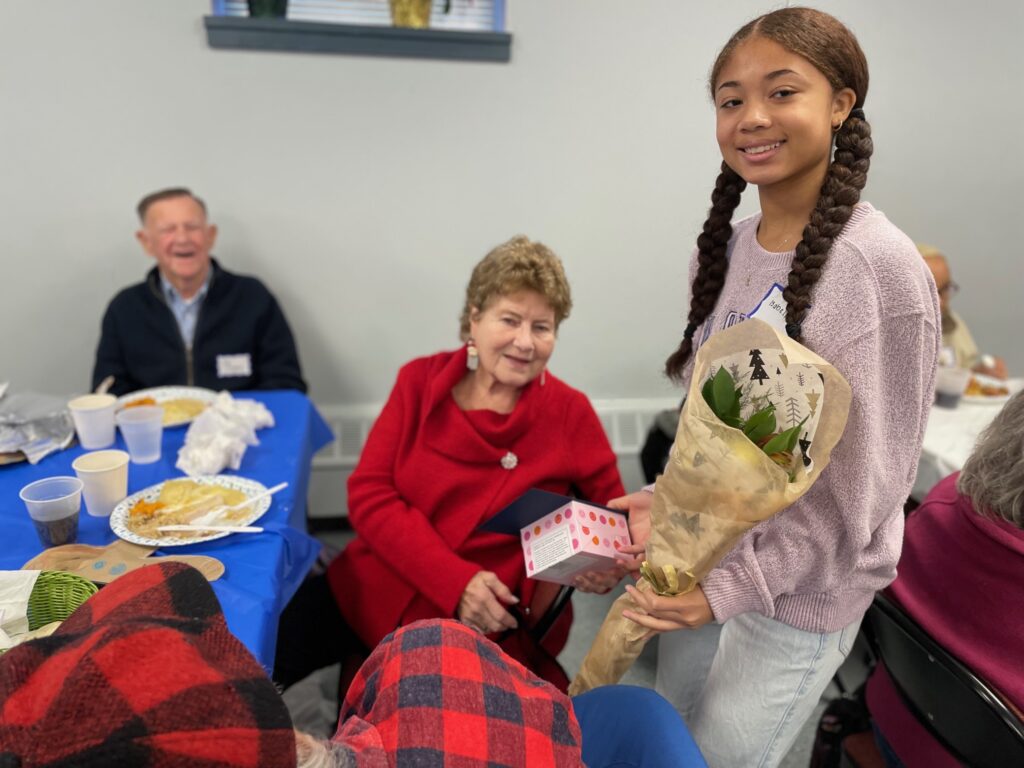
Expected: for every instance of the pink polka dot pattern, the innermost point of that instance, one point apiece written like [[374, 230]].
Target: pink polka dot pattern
[[600, 532]]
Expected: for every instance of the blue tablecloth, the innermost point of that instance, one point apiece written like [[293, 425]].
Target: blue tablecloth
[[262, 570]]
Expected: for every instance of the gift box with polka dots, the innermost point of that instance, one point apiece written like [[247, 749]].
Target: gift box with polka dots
[[574, 538]]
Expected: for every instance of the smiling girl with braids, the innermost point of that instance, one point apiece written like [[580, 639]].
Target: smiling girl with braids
[[779, 614]]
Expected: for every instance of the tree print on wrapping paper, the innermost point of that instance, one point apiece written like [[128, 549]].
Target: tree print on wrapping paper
[[805, 447], [759, 374], [793, 410], [689, 523], [812, 401]]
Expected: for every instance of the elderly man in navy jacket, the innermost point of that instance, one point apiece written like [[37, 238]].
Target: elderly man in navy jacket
[[191, 322]]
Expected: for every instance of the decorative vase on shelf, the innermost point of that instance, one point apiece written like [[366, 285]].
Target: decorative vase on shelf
[[410, 13], [268, 8]]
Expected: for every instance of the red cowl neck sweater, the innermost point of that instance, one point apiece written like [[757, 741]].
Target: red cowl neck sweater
[[961, 577], [430, 473]]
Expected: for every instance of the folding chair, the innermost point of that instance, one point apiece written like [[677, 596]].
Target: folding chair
[[949, 700]]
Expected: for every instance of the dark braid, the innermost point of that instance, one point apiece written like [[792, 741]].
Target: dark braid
[[713, 265], [834, 51], [840, 192]]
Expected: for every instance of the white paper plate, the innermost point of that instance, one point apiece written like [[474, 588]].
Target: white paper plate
[[163, 394], [985, 399], [119, 517]]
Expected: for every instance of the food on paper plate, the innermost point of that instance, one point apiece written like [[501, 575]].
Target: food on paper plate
[[178, 410], [976, 388], [182, 409], [140, 401], [180, 502]]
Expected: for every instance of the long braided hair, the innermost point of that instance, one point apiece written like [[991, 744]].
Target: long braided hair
[[833, 50]]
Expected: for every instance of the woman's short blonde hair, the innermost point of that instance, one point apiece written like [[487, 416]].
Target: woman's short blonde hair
[[517, 265]]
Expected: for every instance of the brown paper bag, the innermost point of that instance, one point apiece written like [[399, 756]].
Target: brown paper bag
[[718, 484]]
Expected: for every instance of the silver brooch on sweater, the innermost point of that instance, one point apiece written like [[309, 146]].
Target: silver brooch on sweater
[[509, 460]]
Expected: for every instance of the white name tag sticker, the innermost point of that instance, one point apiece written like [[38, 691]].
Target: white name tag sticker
[[772, 308], [233, 365]]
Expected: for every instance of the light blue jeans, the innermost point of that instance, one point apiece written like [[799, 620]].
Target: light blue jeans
[[745, 688]]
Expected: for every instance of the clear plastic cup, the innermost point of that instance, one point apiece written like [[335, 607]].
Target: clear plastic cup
[[53, 505], [142, 428], [104, 475], [94, 420]]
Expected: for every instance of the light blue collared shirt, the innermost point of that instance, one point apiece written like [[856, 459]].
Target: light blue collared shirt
[[186, 311]]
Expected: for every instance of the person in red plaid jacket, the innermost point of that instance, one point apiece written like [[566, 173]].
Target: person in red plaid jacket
[[146, 673]]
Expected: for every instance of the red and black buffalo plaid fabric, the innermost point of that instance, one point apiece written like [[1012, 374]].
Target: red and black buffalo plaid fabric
[[145, 673], [436, 693]]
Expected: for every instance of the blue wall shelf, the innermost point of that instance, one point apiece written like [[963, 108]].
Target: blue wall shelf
[[229, 32]]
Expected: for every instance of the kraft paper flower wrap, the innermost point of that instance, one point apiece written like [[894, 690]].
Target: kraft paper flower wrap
[[718, 484]]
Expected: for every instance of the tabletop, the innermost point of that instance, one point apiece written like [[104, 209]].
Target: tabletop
[[262, 570], [950, 436]]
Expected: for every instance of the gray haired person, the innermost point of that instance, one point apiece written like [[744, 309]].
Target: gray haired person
[[961, 578]]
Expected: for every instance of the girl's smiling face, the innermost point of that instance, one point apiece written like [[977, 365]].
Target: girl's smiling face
[[775, 115]]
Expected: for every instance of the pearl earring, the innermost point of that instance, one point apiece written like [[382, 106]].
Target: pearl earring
[[472, 356]]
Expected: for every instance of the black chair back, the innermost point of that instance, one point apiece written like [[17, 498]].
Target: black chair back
[[953, 703]]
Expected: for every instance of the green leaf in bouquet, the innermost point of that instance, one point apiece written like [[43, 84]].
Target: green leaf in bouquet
[[732, 418], [760, 424], [724, 394], [737, 401], [708, 392], [784, 442]]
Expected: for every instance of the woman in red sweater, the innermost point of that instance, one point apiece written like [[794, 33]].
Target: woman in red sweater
[[462, 435]]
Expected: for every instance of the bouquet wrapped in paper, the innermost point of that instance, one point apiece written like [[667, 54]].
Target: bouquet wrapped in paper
[[761, 418]]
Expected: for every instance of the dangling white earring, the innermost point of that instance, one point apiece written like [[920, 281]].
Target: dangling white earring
[[543, 376], [472, 356]]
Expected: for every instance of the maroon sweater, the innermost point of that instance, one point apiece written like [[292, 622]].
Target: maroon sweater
[[430, 473], [961, 577]]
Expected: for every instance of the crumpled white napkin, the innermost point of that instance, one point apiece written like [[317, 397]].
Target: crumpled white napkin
[[220, 434], [15, 588]]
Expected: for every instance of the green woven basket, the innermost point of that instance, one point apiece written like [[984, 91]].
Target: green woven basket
[[55, 597]]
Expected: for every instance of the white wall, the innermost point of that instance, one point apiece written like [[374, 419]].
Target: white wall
[[363, 189]]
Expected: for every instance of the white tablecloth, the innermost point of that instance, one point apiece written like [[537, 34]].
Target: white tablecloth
[[950, 438]]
